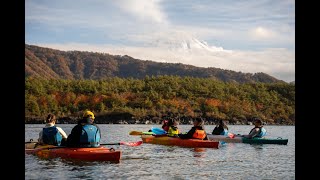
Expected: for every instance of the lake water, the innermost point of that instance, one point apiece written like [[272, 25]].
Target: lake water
[[150, 161]]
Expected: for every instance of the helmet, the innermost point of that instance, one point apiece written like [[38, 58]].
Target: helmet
[[88, 114]]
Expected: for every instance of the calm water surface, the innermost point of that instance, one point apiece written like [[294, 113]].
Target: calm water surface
[[150, 161]]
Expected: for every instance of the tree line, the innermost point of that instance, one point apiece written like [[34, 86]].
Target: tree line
[[156, 97]]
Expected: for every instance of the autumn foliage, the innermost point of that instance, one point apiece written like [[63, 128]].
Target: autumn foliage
[[159, 95]]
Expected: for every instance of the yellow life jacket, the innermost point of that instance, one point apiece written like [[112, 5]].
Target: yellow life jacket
[[173, 131]]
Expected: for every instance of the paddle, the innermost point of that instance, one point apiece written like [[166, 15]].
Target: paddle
[[30, 141], [231, 135], [158, 131], [138, 133], [138, 143]]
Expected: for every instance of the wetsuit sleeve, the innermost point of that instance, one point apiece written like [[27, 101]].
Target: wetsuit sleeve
[[217, 130], [188, 135], [74, 137]]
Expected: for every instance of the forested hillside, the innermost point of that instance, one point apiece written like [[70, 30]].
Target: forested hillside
[[54, 64], [149, 99]]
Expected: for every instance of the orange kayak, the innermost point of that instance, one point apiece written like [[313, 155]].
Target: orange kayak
[[175, 141], [86, 154]]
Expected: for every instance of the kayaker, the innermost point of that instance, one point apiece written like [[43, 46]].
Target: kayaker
[[220, 129], [173, 128], [196, 132], [51, 134], [86, 133], [257, 131], [165, 125]]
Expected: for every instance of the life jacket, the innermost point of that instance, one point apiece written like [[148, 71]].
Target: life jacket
[[90, 136], [219, 131], [51, 135], [224, 132], [199, 134], [262, 132], [173, 131]]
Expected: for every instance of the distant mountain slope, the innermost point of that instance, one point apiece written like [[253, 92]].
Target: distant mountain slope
[[50, 63]]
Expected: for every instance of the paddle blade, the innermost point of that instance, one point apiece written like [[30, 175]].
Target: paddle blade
[[231, 135], [135, 133], [158, 131], [138, 143]]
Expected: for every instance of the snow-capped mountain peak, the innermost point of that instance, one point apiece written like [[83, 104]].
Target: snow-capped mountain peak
[[185, 45]]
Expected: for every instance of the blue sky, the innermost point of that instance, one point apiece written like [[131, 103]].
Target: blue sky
[[247, 36]]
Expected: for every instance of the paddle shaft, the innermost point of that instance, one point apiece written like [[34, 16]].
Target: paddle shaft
[[119, 143]]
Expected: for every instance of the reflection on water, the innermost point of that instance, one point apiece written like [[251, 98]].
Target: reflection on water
[[199, 152], [151, 161]]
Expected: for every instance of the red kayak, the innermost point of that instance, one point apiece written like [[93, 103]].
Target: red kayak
[[175, 141], [86, 154]]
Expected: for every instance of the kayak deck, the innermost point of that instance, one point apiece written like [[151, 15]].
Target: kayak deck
[[175, 141], [85, 154], [239, 139]]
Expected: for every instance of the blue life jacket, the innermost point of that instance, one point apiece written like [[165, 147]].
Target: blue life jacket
[[90, 136], [51, 135], [262, 132], [224, 132]]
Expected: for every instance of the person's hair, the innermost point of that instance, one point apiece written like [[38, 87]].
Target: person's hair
[[257, 120], [164, 123], [171, 122], [50, 118], [200, 121], [222, 124]]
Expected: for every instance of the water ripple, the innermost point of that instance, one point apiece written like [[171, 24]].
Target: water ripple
[[150, 161]]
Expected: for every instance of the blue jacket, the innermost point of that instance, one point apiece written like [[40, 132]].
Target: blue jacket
[[84, 134], [51, 135]]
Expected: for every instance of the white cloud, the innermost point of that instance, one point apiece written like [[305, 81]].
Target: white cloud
[[243, 35], [146, 10], [262, 33]]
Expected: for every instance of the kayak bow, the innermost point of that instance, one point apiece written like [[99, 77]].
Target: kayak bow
[[85, 154]]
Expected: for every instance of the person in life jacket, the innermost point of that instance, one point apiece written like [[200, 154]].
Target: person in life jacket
[[86, 133], [258, 130], [51, 134], [196, 132], [173, 128], [220, 129]]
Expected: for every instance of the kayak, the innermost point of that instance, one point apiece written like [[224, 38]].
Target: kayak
[[238, 139], [175, 141], [85, 154]]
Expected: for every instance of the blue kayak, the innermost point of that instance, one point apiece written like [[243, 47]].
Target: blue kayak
[[238, 139]]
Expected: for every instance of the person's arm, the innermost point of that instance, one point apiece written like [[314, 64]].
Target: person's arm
[[188, 135], [252, 134], [63, 134], [74, 136], [98, 130], [40, 137]]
